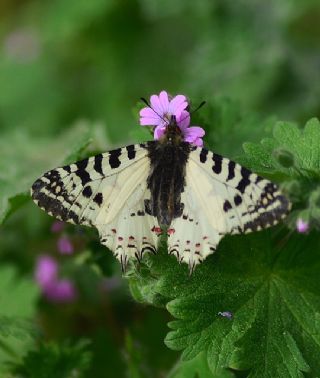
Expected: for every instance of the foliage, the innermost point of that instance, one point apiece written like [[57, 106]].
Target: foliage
[[268, 280], [56, 360], [17, 306], [71, 74], [18, 171]]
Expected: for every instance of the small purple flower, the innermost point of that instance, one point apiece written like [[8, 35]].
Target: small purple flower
[[46, 270], [302, 226], [65, 246], [53, 288], [60, 291], [162, 109], [226, 314], [160, 113], [57, 226]]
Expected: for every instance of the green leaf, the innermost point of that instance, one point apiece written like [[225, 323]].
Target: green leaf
[[52, 360], [268, 280], [302, 144], [21, 165], [197, 367], [223, 117], [17, 306], [17, 296], [268, 283]]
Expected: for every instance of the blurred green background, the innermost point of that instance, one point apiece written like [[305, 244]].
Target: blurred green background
[[71, 74]]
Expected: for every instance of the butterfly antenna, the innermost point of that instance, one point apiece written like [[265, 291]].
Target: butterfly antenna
[[145, 102], [149, 106], [193, 111], [198, 107]]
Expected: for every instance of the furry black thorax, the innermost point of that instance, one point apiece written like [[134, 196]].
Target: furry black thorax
[[166, 180]]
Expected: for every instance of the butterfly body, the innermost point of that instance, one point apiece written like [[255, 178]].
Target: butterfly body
[[166, 180], [133, 194]]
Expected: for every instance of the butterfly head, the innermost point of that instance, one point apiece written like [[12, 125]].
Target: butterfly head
[[173, 134]]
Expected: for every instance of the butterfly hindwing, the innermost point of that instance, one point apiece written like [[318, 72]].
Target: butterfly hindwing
[[221, 197], [106, 191]]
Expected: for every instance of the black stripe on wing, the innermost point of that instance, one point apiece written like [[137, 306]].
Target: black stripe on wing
[[261, 202], [58, 190]]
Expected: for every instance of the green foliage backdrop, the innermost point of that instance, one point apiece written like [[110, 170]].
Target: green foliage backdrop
[[71, 74]]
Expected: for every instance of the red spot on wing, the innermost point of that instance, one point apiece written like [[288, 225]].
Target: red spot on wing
[[156, 230], [171, 231]]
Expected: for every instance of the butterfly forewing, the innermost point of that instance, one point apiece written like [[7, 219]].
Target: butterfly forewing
[[254, 201], [106, 191]]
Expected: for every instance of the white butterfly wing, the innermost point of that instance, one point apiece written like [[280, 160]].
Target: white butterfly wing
[[221, 197], [106, 191]]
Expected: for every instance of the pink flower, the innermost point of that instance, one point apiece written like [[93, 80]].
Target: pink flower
[[61, 291], [53, 288], [57, 226], [46, 270], [302, 226], [162, 109], [65, 246]]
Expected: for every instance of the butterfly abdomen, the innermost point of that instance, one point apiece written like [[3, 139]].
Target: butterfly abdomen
[[166, 180]]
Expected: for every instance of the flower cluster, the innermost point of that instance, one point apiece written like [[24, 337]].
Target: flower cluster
[[53, 288], [160, 112]]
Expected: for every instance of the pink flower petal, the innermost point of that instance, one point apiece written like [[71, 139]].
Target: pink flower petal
[[193, 135], [46, 270], [57, 226], [155, 104], [148, 112], [198, 142], [194, 132], [61, 291], [65, 246], [302, 226], [150, 121], [177, 104], [164, 101], [183, 120], [159, 132]]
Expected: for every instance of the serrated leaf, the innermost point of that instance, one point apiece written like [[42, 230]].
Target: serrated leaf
[[267, 281], [21, 165], [52, 360], [303, 144], [197, 367], [270, 286]]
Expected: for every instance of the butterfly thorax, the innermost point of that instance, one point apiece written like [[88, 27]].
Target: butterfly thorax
[[166, 180]]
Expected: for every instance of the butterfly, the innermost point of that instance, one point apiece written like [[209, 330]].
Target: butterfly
[[134, 194]]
